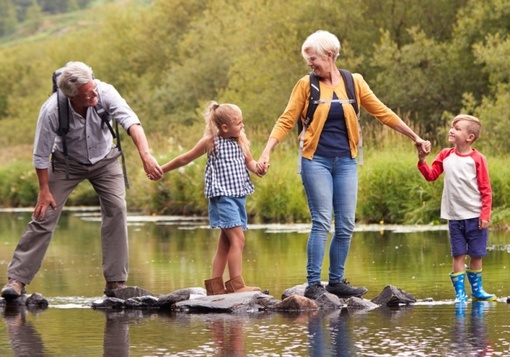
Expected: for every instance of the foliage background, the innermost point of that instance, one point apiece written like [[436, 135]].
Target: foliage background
[[428, 60]]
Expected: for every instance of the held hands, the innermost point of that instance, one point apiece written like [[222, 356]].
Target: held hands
[[261, 168], [263, 164], [423, 147], [152, 168]]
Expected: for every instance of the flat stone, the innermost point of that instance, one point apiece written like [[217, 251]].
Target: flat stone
[[360, 303], [167, 302], [295, 290], [235, 302], [130, 292]]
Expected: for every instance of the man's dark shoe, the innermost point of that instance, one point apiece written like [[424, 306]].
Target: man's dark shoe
[[344, 290], [313, 291], [13, 289], [111, 286]]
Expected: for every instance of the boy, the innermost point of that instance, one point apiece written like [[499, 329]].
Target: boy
[[466, 203]]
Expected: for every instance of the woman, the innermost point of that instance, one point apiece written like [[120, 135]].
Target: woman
[[328, 164]]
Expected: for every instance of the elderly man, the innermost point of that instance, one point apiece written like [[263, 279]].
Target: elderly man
[[86, 152]]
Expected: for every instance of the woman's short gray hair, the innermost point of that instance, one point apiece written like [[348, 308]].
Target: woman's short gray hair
[[321, 42], [74, 75]]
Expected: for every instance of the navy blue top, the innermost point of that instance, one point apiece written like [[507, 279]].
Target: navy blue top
[[333, 141]]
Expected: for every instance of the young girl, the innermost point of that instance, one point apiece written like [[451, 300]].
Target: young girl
[[227, 183]]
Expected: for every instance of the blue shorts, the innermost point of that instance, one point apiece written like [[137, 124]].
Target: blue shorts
[[467, 238], [228, 212]]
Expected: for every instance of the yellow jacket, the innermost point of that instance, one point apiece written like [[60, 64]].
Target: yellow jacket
[[298, 105]]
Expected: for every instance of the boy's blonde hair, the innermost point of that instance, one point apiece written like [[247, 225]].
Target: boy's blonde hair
[[473, 126], [218, 114]]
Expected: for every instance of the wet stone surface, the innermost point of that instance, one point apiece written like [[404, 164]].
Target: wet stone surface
[[195, 300]]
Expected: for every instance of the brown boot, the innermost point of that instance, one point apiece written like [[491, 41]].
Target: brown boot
[[236, 285], [13, 289], [111, 286], [215, 286]]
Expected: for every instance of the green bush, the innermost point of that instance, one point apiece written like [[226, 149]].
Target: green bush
[[391, 189], [18, 184], [279, 196]]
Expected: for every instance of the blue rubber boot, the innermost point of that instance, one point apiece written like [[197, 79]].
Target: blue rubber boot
[[477, 292], [458, 284]]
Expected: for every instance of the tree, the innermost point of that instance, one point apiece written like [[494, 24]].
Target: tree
[[483, 31], [8, 18], [34, 16]]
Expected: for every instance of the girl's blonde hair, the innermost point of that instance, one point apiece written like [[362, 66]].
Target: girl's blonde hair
[[218, 114]]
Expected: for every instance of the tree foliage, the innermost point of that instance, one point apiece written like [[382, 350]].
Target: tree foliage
[[427, 59], [8, 18]]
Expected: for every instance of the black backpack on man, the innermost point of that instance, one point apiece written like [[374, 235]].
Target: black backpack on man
[[64, 113]]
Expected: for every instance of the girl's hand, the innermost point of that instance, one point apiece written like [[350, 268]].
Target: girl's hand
[[262, 168]]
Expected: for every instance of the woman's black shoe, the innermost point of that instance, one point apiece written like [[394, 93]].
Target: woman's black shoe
[[344, 290]]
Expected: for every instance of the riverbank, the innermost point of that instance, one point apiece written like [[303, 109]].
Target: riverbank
[[390, 190]]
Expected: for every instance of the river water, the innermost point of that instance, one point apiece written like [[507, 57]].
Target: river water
[[171, 253]]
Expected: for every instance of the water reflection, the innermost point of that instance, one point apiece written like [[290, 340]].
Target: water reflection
[[470, 336], [167, 255], [228, 335], [23, 337], [116, 333], [341, 333], [329, 335]]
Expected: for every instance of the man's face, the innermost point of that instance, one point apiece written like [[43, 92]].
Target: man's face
[[87, 95]]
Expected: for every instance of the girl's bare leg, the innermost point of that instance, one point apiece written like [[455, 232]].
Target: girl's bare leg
[[235, 254], [221, 255]]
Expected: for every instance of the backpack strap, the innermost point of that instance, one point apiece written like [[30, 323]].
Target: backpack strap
[[350, 89], [64, 113], [351, 93], [105, 120], [315, 100]]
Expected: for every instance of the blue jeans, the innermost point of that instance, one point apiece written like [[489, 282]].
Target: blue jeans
[[331, 187]]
